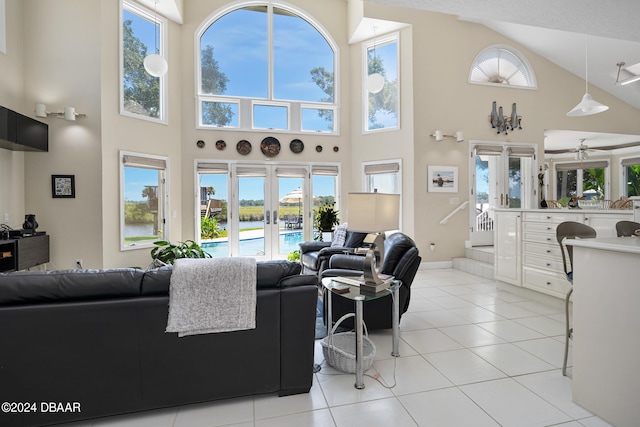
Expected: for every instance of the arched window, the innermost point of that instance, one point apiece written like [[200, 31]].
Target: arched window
[[266, 66], [503, 66]]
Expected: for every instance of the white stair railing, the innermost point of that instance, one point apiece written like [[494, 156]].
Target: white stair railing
[[459, 208], [484, 220]]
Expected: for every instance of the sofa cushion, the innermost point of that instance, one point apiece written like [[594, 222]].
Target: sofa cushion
[[24, 287], [269, 274]]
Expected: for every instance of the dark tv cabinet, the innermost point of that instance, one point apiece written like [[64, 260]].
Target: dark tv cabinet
[[27, 252]]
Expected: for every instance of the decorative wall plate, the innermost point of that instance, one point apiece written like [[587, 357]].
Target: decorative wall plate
[[200, 143], [221, 145], [336, 148], [318, 148], [243, 147], [270, 146], [296, 146]]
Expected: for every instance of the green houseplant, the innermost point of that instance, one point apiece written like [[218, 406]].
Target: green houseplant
[[166, 253], [325, 219]]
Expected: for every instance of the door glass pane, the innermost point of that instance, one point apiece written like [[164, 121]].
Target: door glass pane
[[290, 209], [324, 193], [515, 182], [251, 216], [214, 227]]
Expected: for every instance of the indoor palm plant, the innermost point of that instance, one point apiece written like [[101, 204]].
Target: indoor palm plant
[[325, 219]]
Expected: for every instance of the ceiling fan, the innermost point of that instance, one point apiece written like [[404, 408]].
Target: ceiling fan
[[584, 148]]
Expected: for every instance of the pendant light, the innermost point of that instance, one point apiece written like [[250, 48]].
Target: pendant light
[[155, 64], [375, 81], [588, 105]]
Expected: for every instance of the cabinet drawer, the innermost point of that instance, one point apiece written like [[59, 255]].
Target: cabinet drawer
[[553, 217], [540, 227], [547, 282], [544, 263], [549, 250], [549, 238]]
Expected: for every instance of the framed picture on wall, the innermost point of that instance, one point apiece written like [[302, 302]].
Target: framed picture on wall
[[63, 186], [443, 179]]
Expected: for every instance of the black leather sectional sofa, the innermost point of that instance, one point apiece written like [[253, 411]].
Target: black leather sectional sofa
[[93, 343]]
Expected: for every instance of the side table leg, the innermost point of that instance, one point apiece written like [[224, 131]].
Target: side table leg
[[359, 368], [395, 313]]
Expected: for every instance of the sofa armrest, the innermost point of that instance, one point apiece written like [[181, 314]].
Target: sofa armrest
[[349, 262], [333, 250], [313, 246]]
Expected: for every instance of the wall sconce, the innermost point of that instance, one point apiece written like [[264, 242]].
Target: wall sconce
[[69, 113], [502, 123], [439, 136]]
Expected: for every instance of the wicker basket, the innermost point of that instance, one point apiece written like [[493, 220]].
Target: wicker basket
[[340, 349]]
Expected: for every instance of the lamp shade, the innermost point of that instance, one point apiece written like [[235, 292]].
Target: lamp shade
[[587, 107], [374, 212]]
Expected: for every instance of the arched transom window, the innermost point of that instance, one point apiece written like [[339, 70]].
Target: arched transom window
[[266, 66], [503, 66]]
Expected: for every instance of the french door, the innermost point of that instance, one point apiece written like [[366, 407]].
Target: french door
[[501, 178], [255, 210], [269, 203]]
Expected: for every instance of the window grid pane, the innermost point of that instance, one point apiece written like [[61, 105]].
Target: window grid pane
[[382, 107]]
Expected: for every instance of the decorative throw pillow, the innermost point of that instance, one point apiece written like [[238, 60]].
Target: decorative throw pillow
[[339, 236]]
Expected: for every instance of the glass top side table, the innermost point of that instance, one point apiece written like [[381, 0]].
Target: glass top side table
[[353, 293]]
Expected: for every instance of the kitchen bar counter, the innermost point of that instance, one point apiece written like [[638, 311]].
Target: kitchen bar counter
[[606, 320]]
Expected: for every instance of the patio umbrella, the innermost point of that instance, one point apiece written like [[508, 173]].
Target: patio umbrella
[[295, 196]]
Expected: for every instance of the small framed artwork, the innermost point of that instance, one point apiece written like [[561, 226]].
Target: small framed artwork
[[443, 179], [63, 186]]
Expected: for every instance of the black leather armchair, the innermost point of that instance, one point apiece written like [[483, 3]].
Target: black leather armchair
[[314, 255], [401, 259]]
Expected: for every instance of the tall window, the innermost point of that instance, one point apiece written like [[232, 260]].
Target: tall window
[[266, 66], [578, 179], [143, 199], [142, 33], [631, 176], [382, 108], [502, 66]]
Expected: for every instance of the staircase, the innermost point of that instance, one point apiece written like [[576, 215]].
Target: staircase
[[477, 261]]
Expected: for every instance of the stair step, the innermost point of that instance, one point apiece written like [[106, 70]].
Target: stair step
[[482, 254], [475, 267]]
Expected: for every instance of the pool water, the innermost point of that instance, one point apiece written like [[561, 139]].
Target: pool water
[[249, 247]]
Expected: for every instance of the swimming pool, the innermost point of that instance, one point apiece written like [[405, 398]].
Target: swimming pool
[[249, 247]]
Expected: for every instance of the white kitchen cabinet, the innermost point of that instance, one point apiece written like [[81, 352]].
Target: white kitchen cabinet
[[527, 252], [507, 246]]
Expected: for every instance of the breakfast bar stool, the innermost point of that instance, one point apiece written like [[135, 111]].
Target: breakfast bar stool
[[627, 228], [570, 230]]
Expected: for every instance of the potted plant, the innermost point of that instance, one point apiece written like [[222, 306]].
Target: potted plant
[[166, 253], [325, 219]]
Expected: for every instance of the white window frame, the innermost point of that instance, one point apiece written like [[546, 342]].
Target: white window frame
[[165, 201], [145, 13], [245, 104], [378, 41], [579, 178], [515, 52], [382, 163]]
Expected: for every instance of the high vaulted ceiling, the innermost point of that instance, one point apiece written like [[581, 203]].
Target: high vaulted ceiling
[[556, 30]]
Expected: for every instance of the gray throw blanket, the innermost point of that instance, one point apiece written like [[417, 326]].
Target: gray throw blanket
[[208, 295]]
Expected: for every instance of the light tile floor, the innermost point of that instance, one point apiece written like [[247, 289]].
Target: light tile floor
[[473, 353]]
